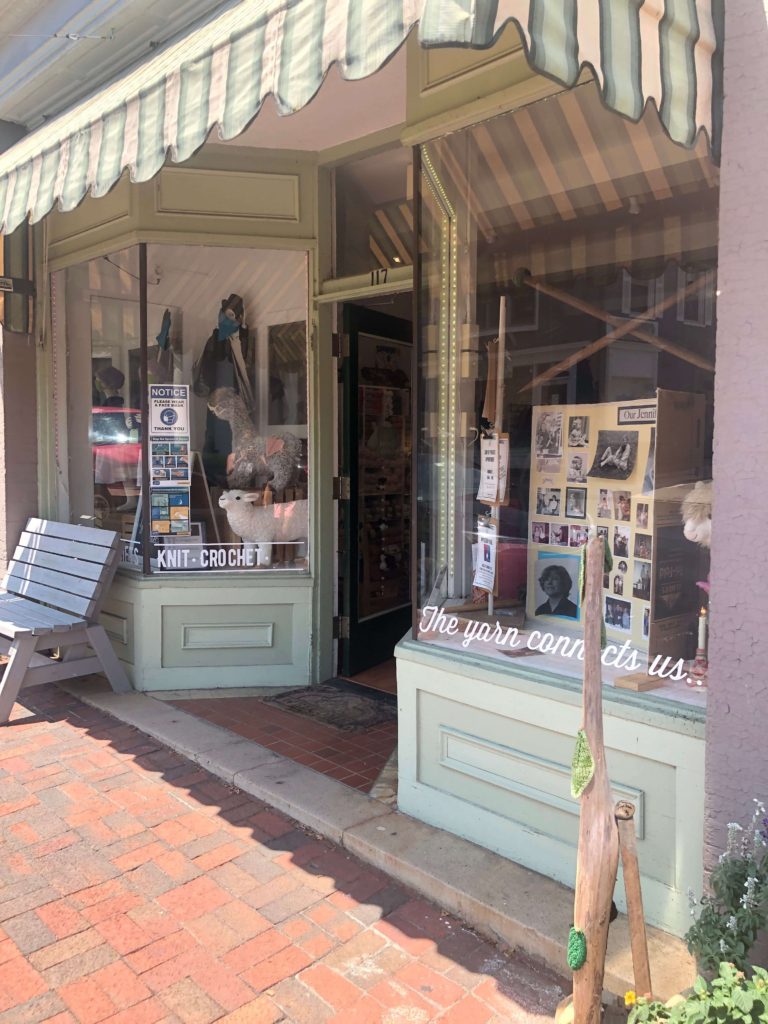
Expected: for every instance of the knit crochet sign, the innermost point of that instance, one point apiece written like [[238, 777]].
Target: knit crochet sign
[[473, 632]]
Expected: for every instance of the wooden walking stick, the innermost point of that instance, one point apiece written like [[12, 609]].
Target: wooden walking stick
[[625, 820], [598, 851]]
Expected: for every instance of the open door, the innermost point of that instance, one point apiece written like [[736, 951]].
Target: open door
[[376, 460]]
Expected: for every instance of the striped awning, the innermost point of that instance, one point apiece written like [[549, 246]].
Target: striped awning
[[663, 51]]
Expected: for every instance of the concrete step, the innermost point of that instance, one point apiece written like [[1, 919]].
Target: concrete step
[[498, 898]]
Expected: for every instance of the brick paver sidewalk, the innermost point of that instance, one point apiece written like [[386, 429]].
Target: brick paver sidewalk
[[135, 888]]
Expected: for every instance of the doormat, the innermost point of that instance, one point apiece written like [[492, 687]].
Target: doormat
[[343, 705]]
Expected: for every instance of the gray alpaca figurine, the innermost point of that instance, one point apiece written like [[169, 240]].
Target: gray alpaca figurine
[[258, 460]]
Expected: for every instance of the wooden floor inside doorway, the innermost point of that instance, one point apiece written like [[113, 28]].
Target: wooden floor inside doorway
[[381, 677]]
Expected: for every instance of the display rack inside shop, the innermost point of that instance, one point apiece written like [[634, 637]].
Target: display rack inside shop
[[384, 498]]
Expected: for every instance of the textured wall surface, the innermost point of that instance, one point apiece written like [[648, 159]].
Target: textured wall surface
[[737, 716], [18, 443]]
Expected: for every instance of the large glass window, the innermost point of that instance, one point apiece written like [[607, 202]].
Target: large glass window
[[566, 356], [374, 214], [193, 447]]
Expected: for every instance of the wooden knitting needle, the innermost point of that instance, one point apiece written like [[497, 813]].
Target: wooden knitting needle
[[622, 327], [625, 820], [597, 859]]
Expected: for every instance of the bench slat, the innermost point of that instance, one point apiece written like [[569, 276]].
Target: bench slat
[[48, 595], [31, 615], [80, 534], [62, 563], [11, 605], [68, 548], [52, 578]]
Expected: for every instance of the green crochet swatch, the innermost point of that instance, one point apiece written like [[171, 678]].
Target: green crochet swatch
[[582, 766], [577, 949]]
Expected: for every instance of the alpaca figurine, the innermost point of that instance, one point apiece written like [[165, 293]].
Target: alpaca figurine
[[257, 460], [261, 526]]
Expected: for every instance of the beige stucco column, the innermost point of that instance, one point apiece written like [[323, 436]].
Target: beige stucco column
[[18, 438], [737, 715]]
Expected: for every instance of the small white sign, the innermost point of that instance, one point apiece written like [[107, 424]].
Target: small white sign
[[168, 411], [494, 466], [485, 565]]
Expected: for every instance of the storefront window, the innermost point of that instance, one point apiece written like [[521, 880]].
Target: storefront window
[[204, 468], [567, 349]]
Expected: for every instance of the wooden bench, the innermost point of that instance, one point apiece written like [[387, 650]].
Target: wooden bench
[[50, 601]]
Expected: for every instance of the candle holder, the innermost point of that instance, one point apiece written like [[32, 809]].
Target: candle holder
[[699, 669]]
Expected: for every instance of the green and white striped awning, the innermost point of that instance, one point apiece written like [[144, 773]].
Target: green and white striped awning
[[665, 51]]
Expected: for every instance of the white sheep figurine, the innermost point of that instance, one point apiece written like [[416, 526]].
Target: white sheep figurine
[[261, 526]]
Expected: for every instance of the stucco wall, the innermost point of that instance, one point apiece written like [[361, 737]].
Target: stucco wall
[[18, 443], [737, 720]]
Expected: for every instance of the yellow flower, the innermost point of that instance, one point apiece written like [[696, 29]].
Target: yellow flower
[[630, 998]]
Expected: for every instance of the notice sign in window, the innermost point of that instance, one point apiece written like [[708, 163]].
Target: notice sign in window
[[168, 410]]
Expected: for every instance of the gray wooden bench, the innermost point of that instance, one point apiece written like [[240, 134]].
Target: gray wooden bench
[[50, 601]]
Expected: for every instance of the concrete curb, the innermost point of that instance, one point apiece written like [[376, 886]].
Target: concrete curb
[[498, 898]]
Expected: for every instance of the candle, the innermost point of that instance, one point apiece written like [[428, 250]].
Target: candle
[[702, 644]]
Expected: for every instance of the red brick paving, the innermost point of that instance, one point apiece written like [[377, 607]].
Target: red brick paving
[[356, 759], [137, 889]]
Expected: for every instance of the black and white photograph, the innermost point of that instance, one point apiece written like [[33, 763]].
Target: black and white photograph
[[618, 614], [540, 533], [548, 501], [577, 470], [558, 534], [557, 585], [641, 584], [602, 531], [576, 502], [641, 515], [578, 431], [549, 464], [621, 541], [622, 506], [615, 455], [606, 581], [605, 504], [618, 584], [622, 566], [577, 537], [549, 434], [646, 622], [643, 546]]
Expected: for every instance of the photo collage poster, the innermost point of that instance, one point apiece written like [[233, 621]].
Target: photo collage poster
[[593, 465]]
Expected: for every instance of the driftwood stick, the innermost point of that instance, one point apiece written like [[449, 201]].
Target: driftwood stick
[[625, 820], [598, 852], [622, 328]]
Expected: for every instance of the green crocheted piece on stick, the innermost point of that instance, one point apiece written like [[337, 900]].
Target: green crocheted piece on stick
[[582, 766], [577, 949]]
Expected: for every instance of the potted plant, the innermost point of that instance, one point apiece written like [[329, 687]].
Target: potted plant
[[735, 909], [731, 997]]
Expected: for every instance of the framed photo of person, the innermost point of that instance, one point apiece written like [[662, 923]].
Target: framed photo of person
[[576, 502]]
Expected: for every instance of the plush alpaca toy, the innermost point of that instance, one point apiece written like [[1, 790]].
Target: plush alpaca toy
[[256, 460], [696, 511]]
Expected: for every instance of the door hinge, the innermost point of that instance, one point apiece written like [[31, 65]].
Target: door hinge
[[341, 488], [341, 627]]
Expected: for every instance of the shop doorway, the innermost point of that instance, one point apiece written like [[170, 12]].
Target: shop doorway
[[375, 501]]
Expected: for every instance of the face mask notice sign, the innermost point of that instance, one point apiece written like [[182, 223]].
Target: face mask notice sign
[[171, 460], [168, 411]]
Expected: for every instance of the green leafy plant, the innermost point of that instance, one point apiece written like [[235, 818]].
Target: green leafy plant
[[736, 908], [731, 998]]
